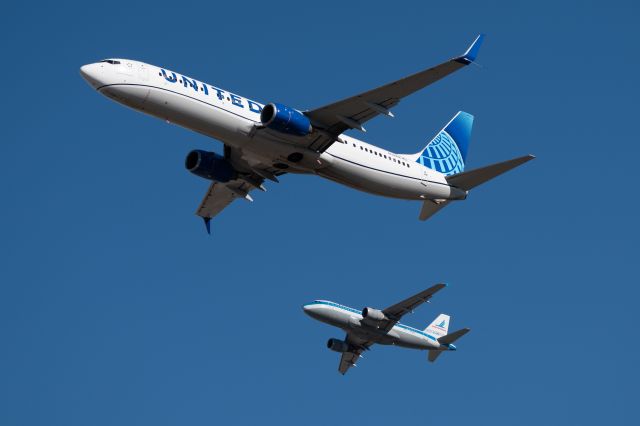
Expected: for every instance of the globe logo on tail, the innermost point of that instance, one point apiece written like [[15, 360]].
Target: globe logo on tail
[[442, 155]]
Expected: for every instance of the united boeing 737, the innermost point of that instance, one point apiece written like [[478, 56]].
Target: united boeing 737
[[369, 326], [263, 142]]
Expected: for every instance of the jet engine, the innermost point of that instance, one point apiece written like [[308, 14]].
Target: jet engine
[[209, 165], [285, 120], [338, 345], [373, 315]]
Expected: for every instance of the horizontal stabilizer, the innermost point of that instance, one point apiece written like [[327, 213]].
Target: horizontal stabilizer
[[429, 208], [472, 178], [452, 337], [433, 355]]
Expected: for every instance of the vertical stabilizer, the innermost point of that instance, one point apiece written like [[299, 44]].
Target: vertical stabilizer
[[439, 327], [447, 152]]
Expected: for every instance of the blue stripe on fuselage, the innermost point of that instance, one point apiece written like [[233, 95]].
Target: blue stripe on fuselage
[[355, 311]]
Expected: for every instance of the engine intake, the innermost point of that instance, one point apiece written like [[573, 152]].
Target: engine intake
[[338, 345], [209, 165], [373, 314], [284, 119]]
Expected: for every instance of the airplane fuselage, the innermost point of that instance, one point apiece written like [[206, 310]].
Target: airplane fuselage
[[232, 119], [351, 321]]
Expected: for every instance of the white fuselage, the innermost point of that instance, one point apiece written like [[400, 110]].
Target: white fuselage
[[351, 321], [233, 119]]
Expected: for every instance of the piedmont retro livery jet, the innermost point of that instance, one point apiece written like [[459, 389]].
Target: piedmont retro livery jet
[[266, 141], [369, 326]]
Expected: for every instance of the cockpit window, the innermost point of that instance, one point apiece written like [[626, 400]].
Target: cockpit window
[[111, 61]]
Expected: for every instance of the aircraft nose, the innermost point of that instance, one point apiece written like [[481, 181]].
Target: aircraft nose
[[90, 73]]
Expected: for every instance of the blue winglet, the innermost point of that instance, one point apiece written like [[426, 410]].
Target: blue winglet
[[472, 52], [207, 224]]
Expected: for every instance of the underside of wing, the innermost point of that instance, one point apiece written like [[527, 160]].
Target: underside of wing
[[250, 175], [351, 357]]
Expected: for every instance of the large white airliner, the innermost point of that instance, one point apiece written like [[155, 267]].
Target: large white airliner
[[369, 326], [265, 141]]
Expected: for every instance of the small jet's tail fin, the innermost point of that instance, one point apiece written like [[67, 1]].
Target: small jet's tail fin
[[472, 178], [447, 151], [439, 327]]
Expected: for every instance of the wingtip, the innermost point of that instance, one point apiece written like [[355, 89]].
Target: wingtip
[[207, 224], [472, 52]]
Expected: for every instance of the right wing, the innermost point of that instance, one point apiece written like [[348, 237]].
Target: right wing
[[219, 196], [350, 358], [251, 175]]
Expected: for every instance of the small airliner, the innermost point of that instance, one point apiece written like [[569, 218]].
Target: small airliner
[[369, 326], [263, 142]]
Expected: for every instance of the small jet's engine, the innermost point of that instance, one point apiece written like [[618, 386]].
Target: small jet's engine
[[209, 165], [338, 345], [373, 315], [284, 119]]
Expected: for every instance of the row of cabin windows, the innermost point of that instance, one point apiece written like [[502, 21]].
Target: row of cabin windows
[[382, 155]]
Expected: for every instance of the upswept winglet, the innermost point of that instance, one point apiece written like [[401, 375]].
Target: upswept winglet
[[472, 52]]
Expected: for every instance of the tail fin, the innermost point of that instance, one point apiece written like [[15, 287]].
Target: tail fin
[[447, 152], [439, 327]]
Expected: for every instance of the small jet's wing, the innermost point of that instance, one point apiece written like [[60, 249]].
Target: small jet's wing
[[395, 312], [350, 358], [351, 113]]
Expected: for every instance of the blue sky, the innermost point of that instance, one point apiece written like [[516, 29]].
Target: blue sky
[[116, 307]]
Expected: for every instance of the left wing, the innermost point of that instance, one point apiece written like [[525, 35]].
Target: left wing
[[350, 358], [351, 113]]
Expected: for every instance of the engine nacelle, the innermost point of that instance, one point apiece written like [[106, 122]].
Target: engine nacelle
[[284, 119], [373, 315], [209, 165], [338, 345]]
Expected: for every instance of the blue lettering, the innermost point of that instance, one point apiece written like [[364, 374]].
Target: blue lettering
[[236, 100], [171, 79], [220, 92], [254, 107], [191, 83], [205, 89]]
